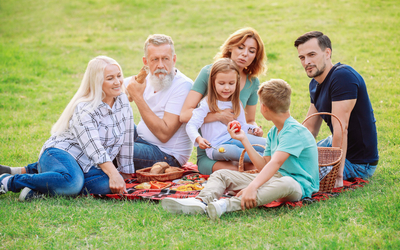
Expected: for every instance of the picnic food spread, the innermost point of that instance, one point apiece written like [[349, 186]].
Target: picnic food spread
[[153, 185], [189, 187]]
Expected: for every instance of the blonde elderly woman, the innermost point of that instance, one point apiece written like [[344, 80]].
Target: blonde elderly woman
[[95, 129]]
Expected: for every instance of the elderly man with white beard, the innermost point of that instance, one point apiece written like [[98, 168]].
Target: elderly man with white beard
[[160, 136]]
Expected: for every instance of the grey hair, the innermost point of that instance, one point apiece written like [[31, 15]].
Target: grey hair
[[159, 39]]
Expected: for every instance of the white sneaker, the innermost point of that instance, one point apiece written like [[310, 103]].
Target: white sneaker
[[28, 194], [216, 208], [186, 206]]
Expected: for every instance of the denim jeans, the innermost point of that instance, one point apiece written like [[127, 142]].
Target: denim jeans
[[233, 149], [351, 170], [146, 154], [58, 173]]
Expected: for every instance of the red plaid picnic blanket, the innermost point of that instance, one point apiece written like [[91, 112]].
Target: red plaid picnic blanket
[[190, 168]]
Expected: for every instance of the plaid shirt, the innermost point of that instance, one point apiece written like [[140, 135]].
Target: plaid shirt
[[99, 135]]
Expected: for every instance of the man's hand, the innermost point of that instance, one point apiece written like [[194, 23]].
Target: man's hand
[[203, 143], [249, 197], [135, 89]]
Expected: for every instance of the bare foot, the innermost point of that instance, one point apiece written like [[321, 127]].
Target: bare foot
[[339, 182], [126, 176]]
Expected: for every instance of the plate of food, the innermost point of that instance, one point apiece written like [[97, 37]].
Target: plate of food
[[188, 187], [153, 185]]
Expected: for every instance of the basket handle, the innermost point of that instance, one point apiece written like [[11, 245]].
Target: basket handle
[[326, 113], [241, 159]]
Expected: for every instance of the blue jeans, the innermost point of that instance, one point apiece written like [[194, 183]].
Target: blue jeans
[[146, 154], [58, 173], [233, 149], [351, 170]]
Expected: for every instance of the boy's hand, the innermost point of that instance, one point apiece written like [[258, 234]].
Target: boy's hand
[[249, 198], [203, 143], [237, 136]]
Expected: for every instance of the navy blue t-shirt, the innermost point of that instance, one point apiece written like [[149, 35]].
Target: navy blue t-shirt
[[344, 83]]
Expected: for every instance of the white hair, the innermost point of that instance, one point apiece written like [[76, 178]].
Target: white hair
[[157, 40], [90, 90]]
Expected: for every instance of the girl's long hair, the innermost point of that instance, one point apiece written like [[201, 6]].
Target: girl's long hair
[[258, 66], [90, 90], [223, 65]]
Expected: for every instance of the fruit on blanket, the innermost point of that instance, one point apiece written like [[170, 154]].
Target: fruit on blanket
[[144, 185], [159, 168], [238, 126], [159, 185], [189, 187]]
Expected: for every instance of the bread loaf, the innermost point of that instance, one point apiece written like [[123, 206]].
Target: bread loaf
[[142, 74], [159, 168]]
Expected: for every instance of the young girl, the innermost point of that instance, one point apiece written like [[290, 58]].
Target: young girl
[[224, 90]]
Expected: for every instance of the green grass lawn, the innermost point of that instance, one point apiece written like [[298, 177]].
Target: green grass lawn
[[44, 50]]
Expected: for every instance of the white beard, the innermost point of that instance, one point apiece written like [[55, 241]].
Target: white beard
[[162, 82]]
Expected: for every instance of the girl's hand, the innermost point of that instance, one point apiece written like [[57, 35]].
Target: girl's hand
[[225, 116], [249, 198], [117, 184], [236, 135], [203, 143]]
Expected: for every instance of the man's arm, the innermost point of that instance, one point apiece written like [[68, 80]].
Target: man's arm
[[163, 128], [342, 109], [314, 123]]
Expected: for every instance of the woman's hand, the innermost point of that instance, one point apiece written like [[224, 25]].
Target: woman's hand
[[225, 116], [203, 143], [117, 184], [249, 197]]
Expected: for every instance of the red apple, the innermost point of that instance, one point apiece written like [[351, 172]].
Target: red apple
[[238, 126]]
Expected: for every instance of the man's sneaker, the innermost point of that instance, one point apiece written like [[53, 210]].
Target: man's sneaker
[[3, 188], [28, 194], [216, 208], [186, 206], [5, 169]]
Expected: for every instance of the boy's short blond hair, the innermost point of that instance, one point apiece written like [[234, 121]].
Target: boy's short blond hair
[[275, 94]]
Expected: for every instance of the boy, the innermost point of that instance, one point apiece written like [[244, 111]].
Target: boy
[[288, 170]]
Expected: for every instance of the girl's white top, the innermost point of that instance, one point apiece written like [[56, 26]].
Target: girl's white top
[[214, 132]]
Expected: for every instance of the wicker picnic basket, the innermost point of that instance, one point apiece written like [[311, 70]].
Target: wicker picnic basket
[[329, 156], [241, 161], [143, 175]]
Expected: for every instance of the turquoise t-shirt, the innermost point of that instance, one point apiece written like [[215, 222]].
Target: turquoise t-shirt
[[248, 95], [302, 164]]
